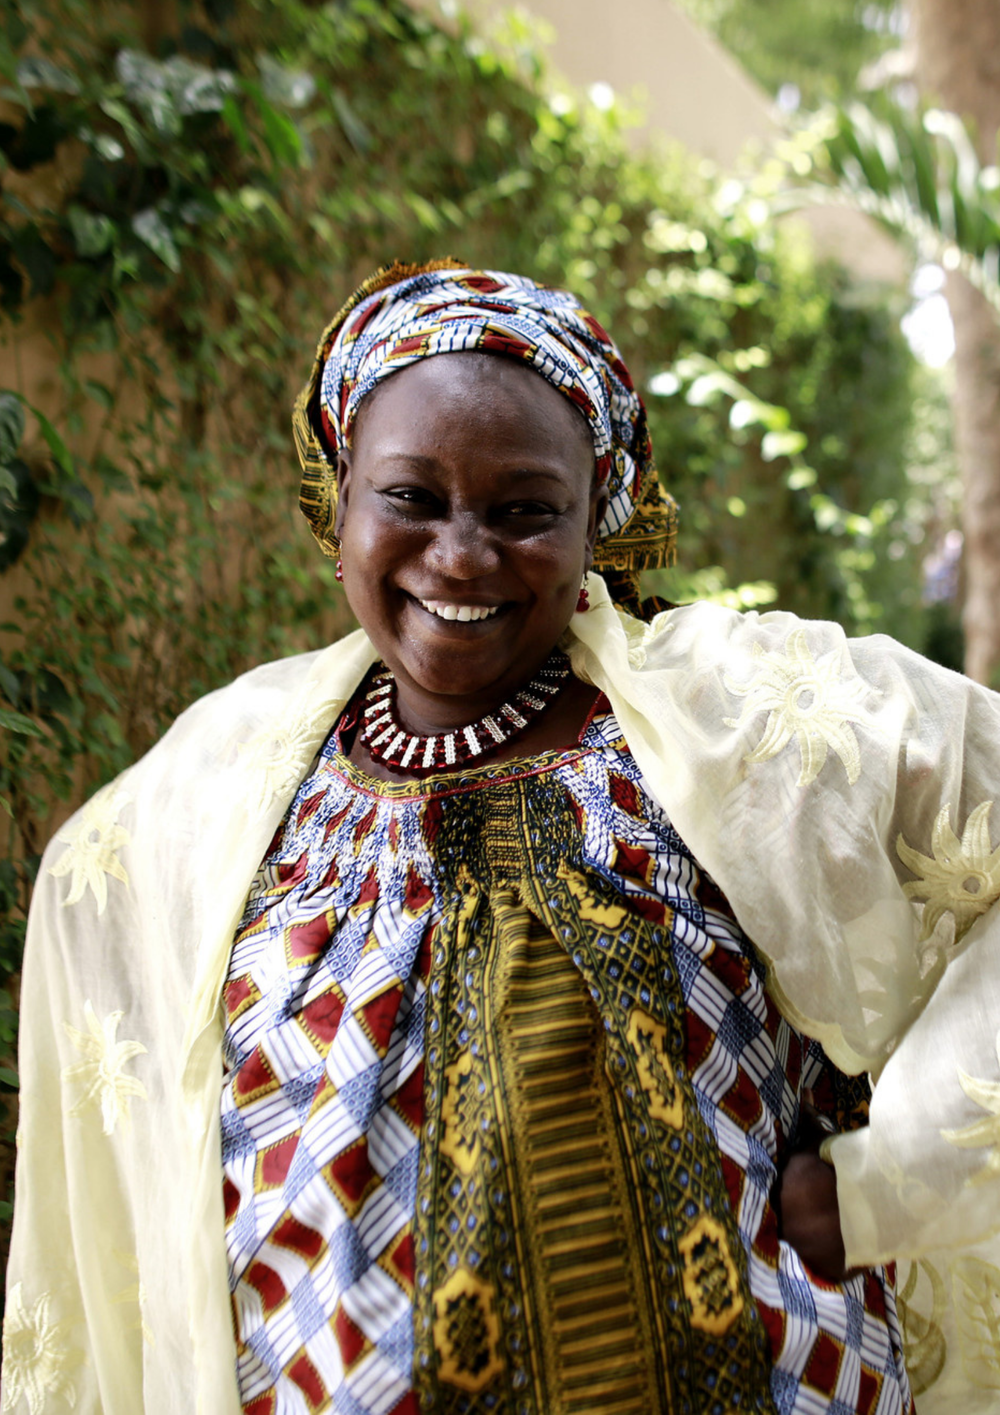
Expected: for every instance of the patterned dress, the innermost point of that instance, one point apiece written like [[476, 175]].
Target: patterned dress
[[504, 1105]]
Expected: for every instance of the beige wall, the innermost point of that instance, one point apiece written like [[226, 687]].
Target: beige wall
[[690, 90]]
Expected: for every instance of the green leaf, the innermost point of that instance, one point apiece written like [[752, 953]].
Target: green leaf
[[17, 722], [35, 71], [233, 118], [283, 139], [93, 233], [9, 1078], [11, 425], [100, 393], [295, 88], [354, 129], [782, 444], [55, 443], [151, 228]]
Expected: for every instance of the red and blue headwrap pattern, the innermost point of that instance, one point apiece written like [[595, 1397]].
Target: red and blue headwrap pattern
[[406, 313]]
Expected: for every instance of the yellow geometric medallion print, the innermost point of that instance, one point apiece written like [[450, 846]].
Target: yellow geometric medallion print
[[466, 1331], [656, 1075], [463, 1113], [711, 1283]]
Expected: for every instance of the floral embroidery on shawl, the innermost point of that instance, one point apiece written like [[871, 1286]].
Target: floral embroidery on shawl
[[273, 761], [94, 842], [984, 1132], [807, 699], [924, 1344], [37, 1359], [103, 1071], [134, 1294], [977, 1297], [961, 877]]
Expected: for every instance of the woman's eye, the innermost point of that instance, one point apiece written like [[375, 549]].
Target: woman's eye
[[529, 510], [410, 497]]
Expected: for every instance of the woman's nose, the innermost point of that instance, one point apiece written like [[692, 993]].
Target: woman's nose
[[464, 548]]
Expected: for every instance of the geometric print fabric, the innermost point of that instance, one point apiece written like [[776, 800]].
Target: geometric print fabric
[[323, 1107]]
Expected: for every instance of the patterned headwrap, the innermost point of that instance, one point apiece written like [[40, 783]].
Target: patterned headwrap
[[404, 313]]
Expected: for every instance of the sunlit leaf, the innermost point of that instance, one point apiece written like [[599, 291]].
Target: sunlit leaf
[[295, 88], [151, 228], [787, 443], [36, 71], [354, 130]]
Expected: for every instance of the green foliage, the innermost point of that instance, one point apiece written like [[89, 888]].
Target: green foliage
[[914, 170], [820, 46], [180, 215]]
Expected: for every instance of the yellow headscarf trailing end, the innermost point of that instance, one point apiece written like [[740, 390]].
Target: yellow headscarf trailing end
[[403, 313]]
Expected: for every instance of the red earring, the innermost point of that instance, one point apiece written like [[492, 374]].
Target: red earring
[[339, 572], [583, 599]]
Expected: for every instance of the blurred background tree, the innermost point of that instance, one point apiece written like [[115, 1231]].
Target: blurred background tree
[[818, 48], [958, 66], [938, 54]]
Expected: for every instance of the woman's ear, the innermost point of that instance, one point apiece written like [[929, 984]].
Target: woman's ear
[[343, 487], [598, 508]]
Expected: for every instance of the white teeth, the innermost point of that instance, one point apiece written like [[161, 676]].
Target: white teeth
[[464, 613]]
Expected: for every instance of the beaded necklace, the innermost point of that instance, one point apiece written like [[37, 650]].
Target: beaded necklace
[[388, 741]]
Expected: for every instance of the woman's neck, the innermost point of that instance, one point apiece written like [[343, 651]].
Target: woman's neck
[[559, 726]]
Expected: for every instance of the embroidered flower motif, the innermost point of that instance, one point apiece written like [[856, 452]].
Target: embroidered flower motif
[[976, 1285], [807, 699], [36, 1358], [275, 760], [135, 1293], [984, 1132], [961, 878], [639, 635], [94, 841], [103, 1071], [922, 1303]]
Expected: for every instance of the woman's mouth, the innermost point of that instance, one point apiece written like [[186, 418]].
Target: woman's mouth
[[462, 613]]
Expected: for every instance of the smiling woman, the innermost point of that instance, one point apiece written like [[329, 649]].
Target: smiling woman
[[426, 1050], [468, 510]]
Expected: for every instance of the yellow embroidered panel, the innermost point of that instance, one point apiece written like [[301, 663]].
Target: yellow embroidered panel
[[572, 1221]]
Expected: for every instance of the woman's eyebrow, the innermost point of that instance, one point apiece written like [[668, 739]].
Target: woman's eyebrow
[[422, 462]]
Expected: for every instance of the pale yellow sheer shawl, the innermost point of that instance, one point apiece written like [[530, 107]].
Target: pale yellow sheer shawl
[[839, 791]]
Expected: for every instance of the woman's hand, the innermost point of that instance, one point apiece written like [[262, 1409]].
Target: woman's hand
[[806, 1203]]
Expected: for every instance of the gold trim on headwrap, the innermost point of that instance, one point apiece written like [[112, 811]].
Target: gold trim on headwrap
[[644, 539]]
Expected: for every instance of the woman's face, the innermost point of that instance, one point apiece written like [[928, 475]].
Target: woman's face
[[467, 515]]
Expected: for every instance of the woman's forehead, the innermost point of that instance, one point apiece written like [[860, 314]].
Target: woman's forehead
[[476, 386]]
